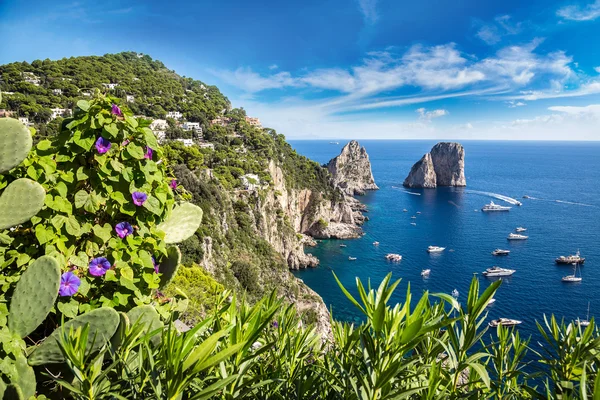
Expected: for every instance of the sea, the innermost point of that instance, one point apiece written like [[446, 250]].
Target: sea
[[561, 216]]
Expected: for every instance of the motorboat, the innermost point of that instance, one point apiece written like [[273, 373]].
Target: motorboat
[[375, 243], [413, 217], [435, 249], [521, 229], [585, 322], [573, 259], [516, 236], [495, 207], [405, 210], [526, 197], [572, 278], [393, 257], [413, 223], [425, 273], [500, 252], [418, 212], [455, 294], [497, 271], [504, 322], [492, 301], [351, 258], [343, 245]]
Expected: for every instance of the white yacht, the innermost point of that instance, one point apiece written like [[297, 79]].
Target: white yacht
[[521, 229], [375, 243], [572, 278], [435, 249], [413, 217], [405, 210], [504, 322], [492, 301], [413, 223], [500, 252], [343, 245], [516, 236], [393, 257], [418, 212], [351, 258], [494, 207], [574, 259], [425, 273], [497, 271]]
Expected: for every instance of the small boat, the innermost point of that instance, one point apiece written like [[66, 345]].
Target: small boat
[[425, 273], [574, 259], [413, 223], [351, 258], [375, 243], [497, 271], [521, 229], [500, 252], [405, 210], [343, 245], [504, 322], [526, 197], [516, 236], [455, 294], [413, 217], [435, 249], [334, 142], [572, 278], [393, 257], [494, 207], [519, 203], [418, 212], [492, 301], [585, 322]]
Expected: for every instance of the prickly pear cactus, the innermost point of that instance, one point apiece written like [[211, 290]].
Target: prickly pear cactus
[[14, 392], [117, 340], [15, 143], [34, 296], [26, 377], [20, 201], [169, 265], [103, 323], [146, 315], [183, 222]]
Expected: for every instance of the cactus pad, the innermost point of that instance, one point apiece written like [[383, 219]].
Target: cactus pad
[[34, 296], [20, 201], [103, 323], [26, 377], [146, 315], [117, 340], [15, 143], [183, 222], [169, 265], [13, 392]]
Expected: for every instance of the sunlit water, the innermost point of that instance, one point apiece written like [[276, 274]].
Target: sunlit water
[[567, 172]]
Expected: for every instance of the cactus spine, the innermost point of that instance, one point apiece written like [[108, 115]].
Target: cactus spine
[[183, 222], [34, 296]]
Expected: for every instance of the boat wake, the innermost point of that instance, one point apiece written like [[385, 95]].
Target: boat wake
[[507, 199], [406, 191], [575, 203]]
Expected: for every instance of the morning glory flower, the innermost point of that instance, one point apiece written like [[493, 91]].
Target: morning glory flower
[[69, 284], [139, 198], [275, 324], [173, 184], [98, 266], [148, 154], [102, 145], [155, 264], [124, 229], [116, 110]]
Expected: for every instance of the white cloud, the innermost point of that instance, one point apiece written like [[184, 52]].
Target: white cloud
[[489, 34], [578, 13], [429, 115], [368, 8], [252, 82], [591, 110], [586, 89], [273, 66], [502, 25], [514, 104], [597, 69]]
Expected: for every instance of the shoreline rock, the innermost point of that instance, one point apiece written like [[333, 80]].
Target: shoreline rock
[[351, 170], [444, 165]]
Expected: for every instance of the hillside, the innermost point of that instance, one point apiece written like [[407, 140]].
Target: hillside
[[260, 198]]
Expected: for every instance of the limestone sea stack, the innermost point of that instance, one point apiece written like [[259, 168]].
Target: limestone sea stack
[[351, 170], [444, 165]]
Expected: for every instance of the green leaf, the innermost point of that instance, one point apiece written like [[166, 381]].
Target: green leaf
[[69, 309], [81, 175], [111, 129], [42, 234], [81, 259], [103, 232], [135, 151], [81, 198], [83, 104], [150, 138], [153, 205], [73, 226]]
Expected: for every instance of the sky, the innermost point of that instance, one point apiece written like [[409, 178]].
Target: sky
[[360, 69]]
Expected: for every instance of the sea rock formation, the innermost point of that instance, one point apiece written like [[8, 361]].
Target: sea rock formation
[[444, 165], [351, 170]]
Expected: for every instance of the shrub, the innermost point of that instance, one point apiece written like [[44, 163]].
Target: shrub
[[246, 275]]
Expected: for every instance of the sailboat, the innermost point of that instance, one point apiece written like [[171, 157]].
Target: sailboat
[[572, 278], [585, 322]]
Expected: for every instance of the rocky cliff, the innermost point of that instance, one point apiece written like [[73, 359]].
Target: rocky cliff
[[444, 165], [351, 170]]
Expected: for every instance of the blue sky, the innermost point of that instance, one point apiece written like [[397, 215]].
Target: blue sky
[[461, 69]]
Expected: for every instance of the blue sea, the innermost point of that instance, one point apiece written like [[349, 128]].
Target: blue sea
[[562, 216]]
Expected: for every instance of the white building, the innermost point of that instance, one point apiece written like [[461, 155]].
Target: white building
[[31, 78], [110, 86], [24, 120], [86, 94], [254, 122], [159, 125], [59, 112], [174, 115], [57, 91], [191, 126], [186, 142], [206, 145], [160, 135], [130, 98], [250, 181]]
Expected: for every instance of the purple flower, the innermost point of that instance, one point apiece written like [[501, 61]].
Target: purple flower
[[69, 284], [173, 184], [155, 264], [102, 145], [98, 266], [124, 229], [139, 198], [275, 324], [126, 142], [148, 154], [116, 110]]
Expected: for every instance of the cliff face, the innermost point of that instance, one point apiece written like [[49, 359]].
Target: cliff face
[[351, 170], [422, 174], [444, 165]]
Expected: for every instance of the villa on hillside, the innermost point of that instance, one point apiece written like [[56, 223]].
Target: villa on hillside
[[192, 126], [57, 91], [160, 135], [206, 145], [174, 115], [110, 86], [250, 181], [254, 122], [30, 77], [223, 121], [130, 98], [59, 112], [5, 113], [186, 142], [24, 120], [159, 124], [86, 94]]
